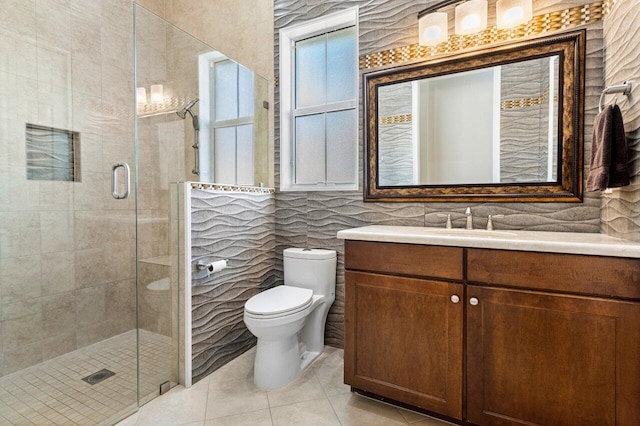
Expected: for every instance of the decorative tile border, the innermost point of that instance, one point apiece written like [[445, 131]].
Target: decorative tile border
[[395, 119], [232, 188], [526, 102], [547, 22]]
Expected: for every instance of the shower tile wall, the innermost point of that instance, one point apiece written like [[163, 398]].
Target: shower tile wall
[[621, 209], [313, 218], [67, 249], [239, 227]]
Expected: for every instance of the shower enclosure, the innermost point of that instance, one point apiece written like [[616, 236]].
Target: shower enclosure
[[89, 247]]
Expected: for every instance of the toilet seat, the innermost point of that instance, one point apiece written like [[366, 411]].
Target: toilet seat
[[279, 301]]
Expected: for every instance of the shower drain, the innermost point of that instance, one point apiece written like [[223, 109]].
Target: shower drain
[[98, 376]]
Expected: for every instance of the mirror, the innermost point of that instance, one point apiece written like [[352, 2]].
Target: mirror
[[207, 113], [502, 124]]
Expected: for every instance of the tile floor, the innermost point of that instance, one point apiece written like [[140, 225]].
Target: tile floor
[[53, 393], [229, 397]]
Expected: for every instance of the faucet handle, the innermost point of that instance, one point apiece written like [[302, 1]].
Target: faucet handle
[[448, 225], [490, 221]]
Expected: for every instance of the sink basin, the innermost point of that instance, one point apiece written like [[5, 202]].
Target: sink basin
[[461, 232]]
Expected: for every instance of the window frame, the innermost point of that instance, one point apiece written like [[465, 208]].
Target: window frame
[[288, 37]]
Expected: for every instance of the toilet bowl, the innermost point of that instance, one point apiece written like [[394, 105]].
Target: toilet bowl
[[289, 320]]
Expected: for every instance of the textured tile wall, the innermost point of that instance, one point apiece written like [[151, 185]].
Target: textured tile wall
[[239, 227], [621, 209], [312, 219]]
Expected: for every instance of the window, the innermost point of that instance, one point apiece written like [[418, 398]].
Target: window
[[319, 134], [232, 123], [226, 93]]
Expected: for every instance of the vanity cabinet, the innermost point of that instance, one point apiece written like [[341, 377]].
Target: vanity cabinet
[[404, 333], [536, 338], [405, 340]]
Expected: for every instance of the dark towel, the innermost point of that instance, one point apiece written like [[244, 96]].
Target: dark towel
[[609, 157]]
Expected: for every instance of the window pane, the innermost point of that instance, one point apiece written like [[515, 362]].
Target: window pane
[[245, 155], [341, 65], [245, 91], [310, 160], [310, 72], [226, 90], [341, 141], [224, 161]]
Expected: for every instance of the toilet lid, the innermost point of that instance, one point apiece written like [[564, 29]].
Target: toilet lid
[[279, 300]]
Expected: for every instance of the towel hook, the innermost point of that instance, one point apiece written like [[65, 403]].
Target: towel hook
[[624, 88]]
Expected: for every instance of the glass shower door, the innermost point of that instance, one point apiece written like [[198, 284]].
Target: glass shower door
[[68, 331]]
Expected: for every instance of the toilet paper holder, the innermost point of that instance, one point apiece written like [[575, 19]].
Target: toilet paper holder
[[202, 266], [206, 267]]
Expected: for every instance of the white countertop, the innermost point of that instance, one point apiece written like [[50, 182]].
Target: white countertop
[[551, 242]]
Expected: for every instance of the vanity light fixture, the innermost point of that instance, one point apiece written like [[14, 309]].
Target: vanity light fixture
[[511, 13], [471, 17]]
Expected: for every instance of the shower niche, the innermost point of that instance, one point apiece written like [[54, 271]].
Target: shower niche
[[52, 154]]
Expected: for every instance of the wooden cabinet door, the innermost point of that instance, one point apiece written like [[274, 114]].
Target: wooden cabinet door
[[545, 359], [403, 340]]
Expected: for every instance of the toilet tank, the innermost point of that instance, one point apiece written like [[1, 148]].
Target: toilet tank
[[311, 268]]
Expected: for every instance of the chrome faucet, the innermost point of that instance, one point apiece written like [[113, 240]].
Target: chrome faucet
[[448, 225], [469, 216], [490, 220]]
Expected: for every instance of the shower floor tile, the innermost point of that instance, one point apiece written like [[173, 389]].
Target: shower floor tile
[[53, 392]]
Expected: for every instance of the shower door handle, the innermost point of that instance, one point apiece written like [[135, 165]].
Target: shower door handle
[[114, 181]]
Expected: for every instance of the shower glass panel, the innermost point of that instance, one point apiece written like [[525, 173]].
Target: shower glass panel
[[166, 62], [68, 333]]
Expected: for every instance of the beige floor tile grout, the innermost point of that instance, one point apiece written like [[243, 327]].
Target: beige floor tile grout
[[339, 397]]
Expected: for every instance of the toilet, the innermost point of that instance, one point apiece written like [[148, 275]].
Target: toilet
[[289, 320]]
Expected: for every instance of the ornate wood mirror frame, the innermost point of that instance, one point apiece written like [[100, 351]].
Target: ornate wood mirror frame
[[567, 187]]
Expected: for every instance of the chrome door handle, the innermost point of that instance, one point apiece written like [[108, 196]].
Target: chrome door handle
[[114, 181]]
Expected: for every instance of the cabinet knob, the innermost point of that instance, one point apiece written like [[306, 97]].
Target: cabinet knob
[[455, 298], [473, 301]]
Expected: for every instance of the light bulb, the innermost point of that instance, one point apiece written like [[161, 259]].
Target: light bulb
[[511, 13], [141, 96], [157, 94], [471, 17], [433, 28]]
